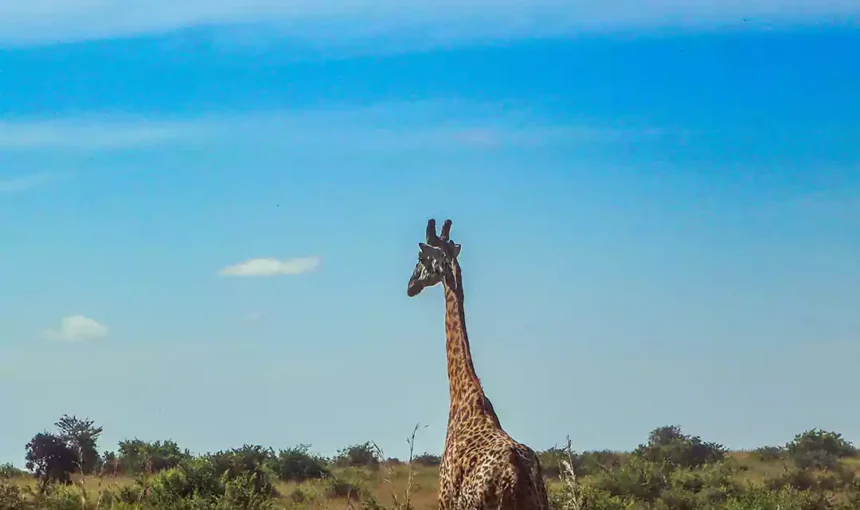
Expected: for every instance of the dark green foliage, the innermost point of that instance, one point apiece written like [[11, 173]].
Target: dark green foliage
[[297, 465], [675, 471], [82, 436], [251, 461], [50, 460], [358, 455], [584, 464], [670, 446], [235, 479], [136, 456], [592, 462], [819, 449], [427, 459]]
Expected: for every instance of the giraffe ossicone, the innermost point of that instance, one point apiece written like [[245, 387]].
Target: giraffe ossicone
[[482, 467]]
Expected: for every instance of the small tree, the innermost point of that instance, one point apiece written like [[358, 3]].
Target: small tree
[[427, 459], [82, 437], [669, 446], [50, 459], [358, 455], [818, 449], [297, 464], [251, 461], [136, 456]]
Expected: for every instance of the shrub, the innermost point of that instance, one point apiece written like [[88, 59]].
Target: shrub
[[637, 478], [758, 498], [59, 498], [584, 464], [589, 497], [340, 488], [427, 459], [225, 480], [9, 471], [550, 461], [13, 497], [591, 462], [796, 479], [818, 449], [244, 492], [252, 461], [668, 445], [136, 456], [358, 455], [299, 495], [297, 465]]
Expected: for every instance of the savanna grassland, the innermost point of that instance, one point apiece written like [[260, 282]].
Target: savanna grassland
[[671, 470]]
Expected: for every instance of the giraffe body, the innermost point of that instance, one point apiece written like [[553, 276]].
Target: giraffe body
[[483, 468]]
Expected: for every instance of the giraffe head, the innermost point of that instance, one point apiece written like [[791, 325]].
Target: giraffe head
[[437, 258]]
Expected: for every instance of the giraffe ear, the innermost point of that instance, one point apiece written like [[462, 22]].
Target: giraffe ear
[[455, 248]]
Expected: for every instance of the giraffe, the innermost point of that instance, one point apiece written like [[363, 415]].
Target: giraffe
[[483, 467]]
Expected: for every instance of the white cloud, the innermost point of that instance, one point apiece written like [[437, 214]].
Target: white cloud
[[92, 133], [435, 125], [272, 267], [76, 328], [326, 21]]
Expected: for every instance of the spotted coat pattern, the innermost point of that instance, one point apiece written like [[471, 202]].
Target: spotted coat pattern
[[482, 467]]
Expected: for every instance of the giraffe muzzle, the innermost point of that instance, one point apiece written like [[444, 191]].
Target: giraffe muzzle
[[413, 288]]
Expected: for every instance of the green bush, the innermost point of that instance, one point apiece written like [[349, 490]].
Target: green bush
[[250, 461], [9, 471], [243, 492], [234, 479], [668, 445], [637, 479], [758, 498], [137, 456], [358, 455], [819, 449], [59, 497], [297, 465]]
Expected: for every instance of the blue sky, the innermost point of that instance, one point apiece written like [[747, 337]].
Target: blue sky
[[210, 215]]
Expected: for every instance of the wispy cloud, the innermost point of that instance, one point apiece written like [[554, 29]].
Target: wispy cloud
[[386, 126], [77, 328], [319, 21], [252, 317], [272, 267], [91, 133], [22, 182]]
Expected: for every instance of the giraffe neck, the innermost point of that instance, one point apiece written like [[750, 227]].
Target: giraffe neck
[[467, 394]]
